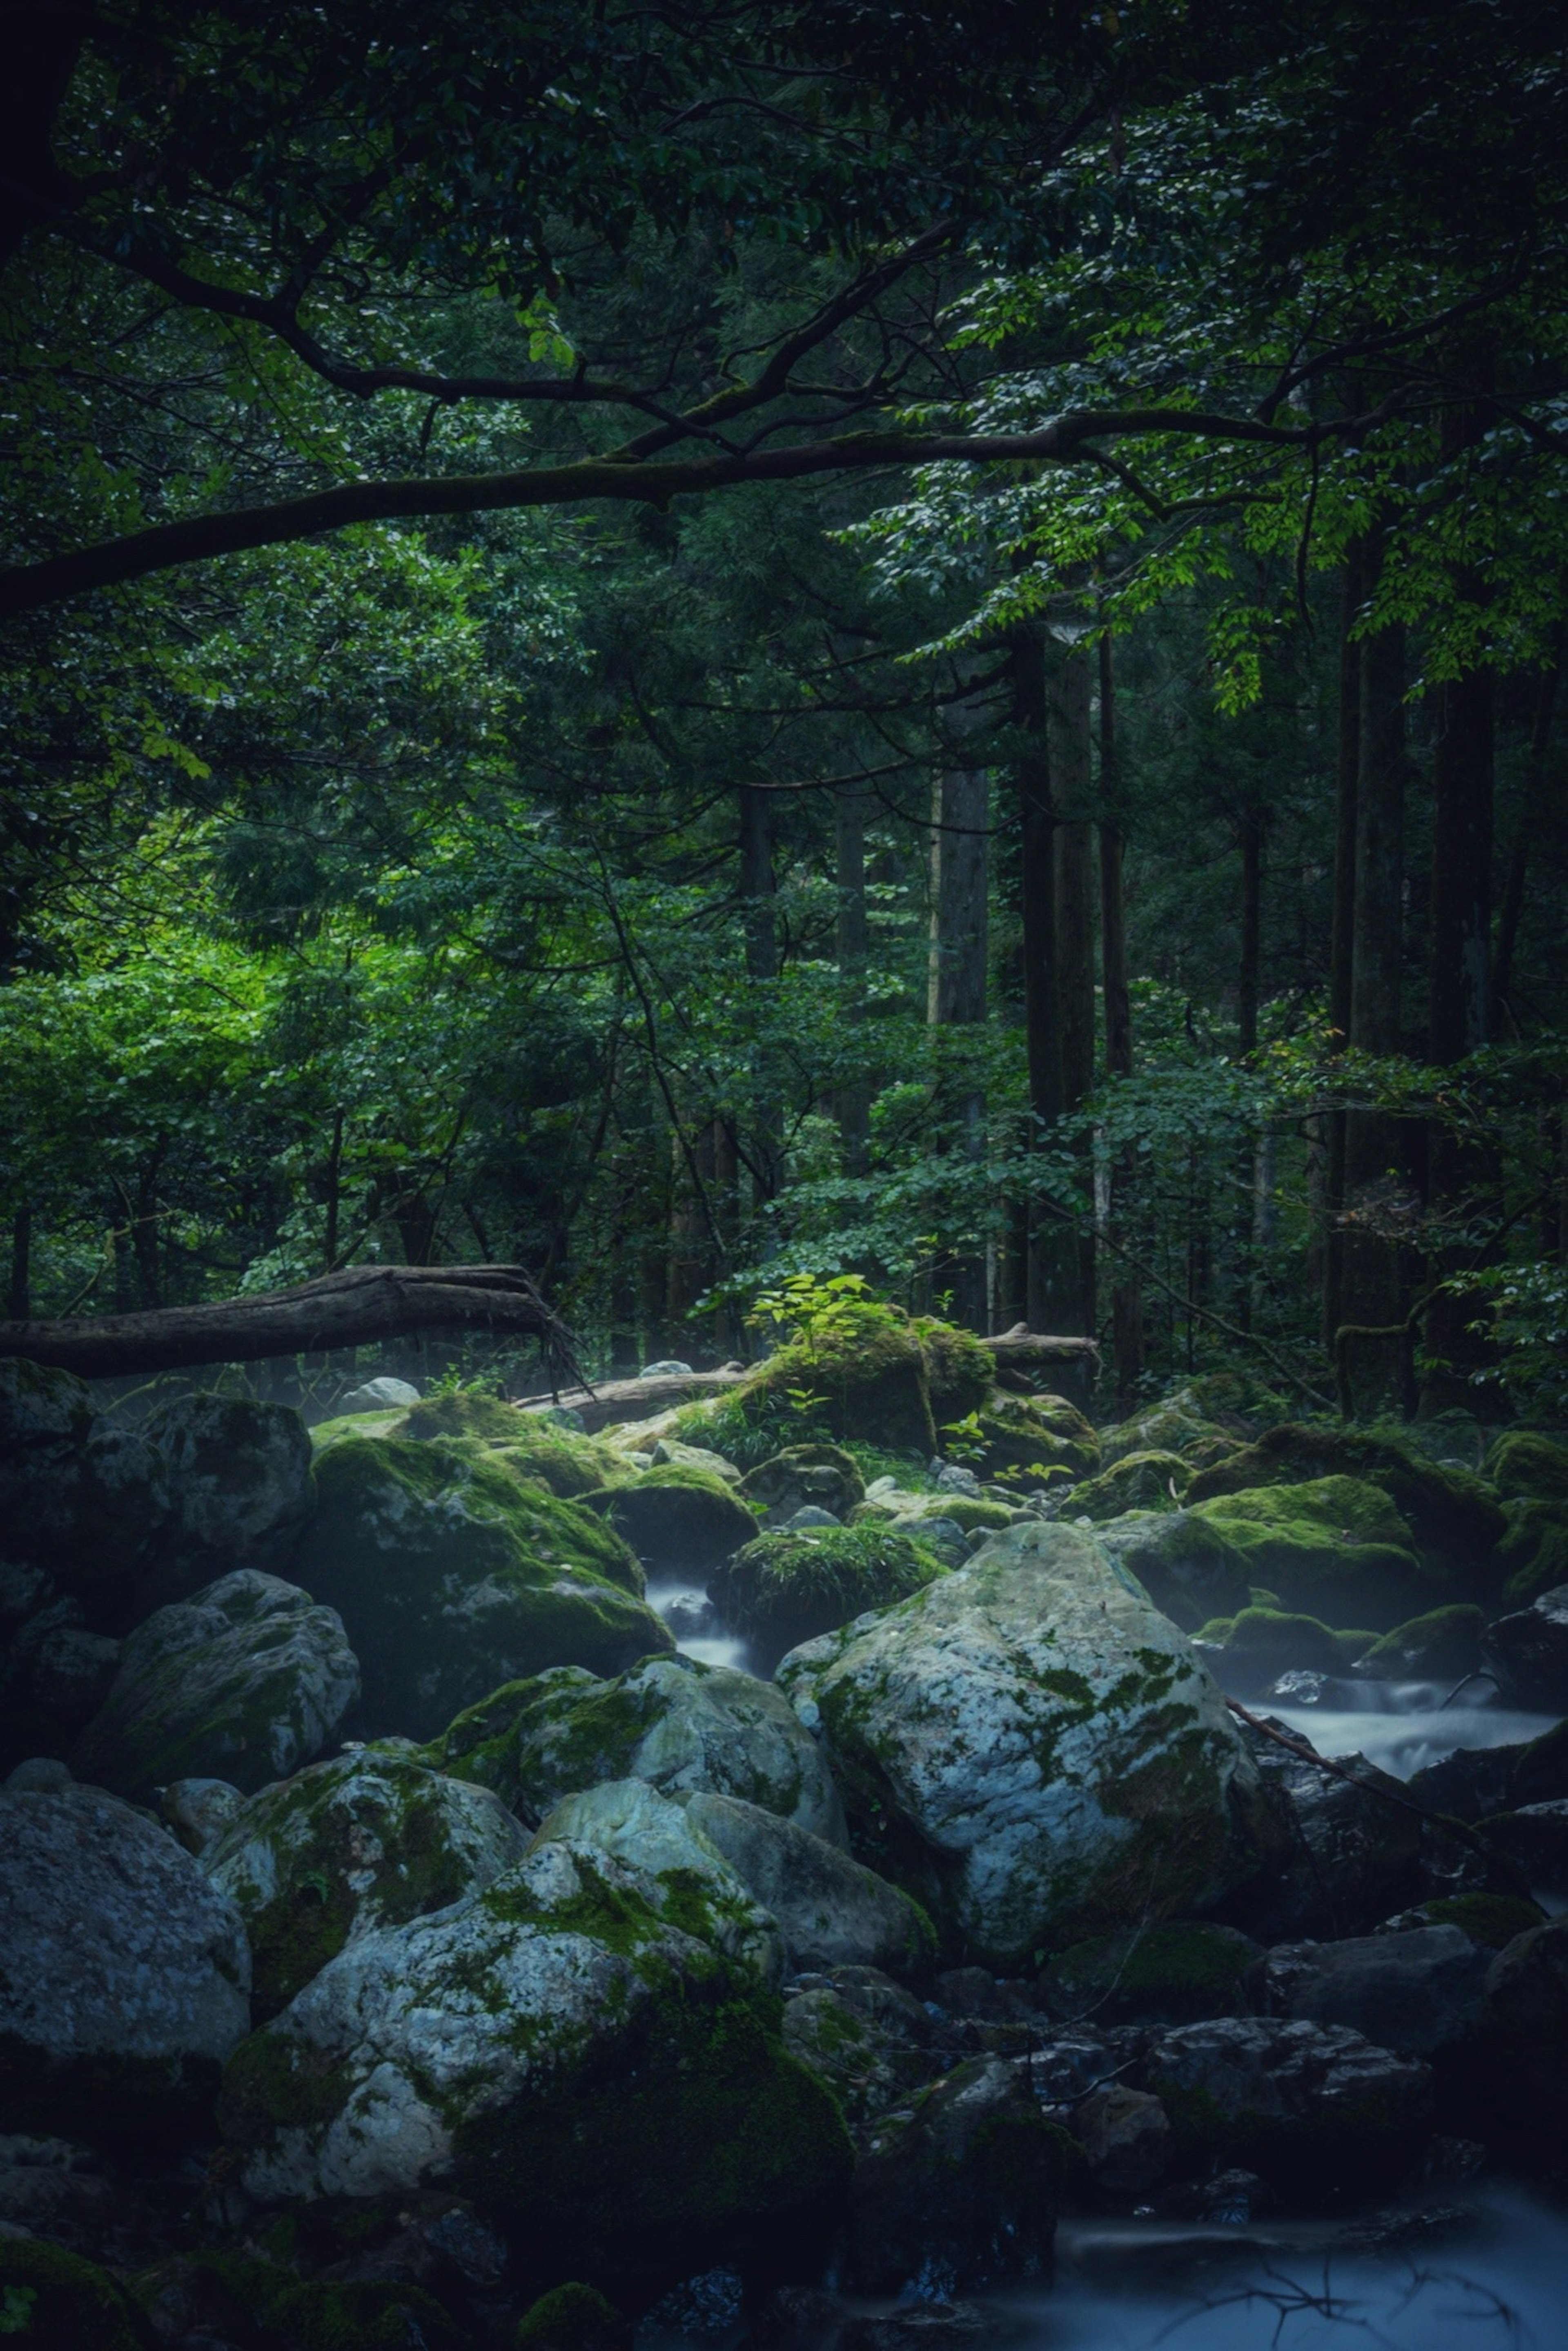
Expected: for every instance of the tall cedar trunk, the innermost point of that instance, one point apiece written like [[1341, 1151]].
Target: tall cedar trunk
[[1247, 992], [757, 892], [1533, 810], [1371, 1291], [1126, 1297], [956, 992], [689, 1267], [1067, 714], [1051, 1285], [1347, 766], [1460, 1014], [853, 1102]]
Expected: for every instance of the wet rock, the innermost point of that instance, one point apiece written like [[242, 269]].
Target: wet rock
[[602, 2079], [1509, 2089], [873, 2054], [1352, 1856], [125, 1975], [832, 1911], [39, 1775], [1314, 2106], [676, 1516], [1169, 1974], [245, 1681], [382, 1394], [199, 1811], [54, 1676], [1470, 1783], [959, 2190], [803, 1474], [1184, 1562], [240, 1489], [795, 1583], [1491, 1920], [918, 2326], [1125, 2136], [1535, 1839], [1031, 1750], [677, 1724], [1417, 1992], [450, 1573], [365, 1840], [1528, 1652]]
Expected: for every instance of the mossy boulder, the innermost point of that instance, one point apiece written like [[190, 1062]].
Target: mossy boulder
[[786, 1588], [1137, 1481], [1453, 1517], [1525, 1467], [1490, 1919], [51, 2300], [369, 1839], [974, 1513], [1251, 1650], [1533, 1556], [677, 1724], [1186, 1563], [240, 1489], [572, 2318], [559, 2047], [1168, 1974], [1174, 1426], [1440, 1647], [1034, 1440], [800, 1475], [1031, 1750], [448, 1571], [673, 1515], [960, 1369], [1334, 1547], [831, 1910], [243, 1682]]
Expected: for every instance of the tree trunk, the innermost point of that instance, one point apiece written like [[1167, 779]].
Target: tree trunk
[[1251, 930], [1347, 767], [1070, 756], [339, 1310], [1052, 1288], [957, 991], [19, 1305], [852, 941], [1532, 809], [1126, 1295], [757, 892]]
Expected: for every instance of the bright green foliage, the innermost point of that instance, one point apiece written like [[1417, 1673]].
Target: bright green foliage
[[786, 1588]]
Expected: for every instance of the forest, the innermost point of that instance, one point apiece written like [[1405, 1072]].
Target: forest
[[784, 1185]]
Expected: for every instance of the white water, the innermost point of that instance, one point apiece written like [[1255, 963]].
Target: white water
[[1401, 1727], [683, 1605]]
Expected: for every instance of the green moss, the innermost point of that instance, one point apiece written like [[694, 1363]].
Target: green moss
[[1260, 1644], [1525, 1467], [274, 2083], [1034, 1440], [1184, 1968], [969, 1511], [700, 2121], [572, 2318], [678, 1514], [960, 1369], [1444, 1642], [1533, 1556], [1185, 1564], [1453, 1517], [1541, 1775], [51, 2300], [1492, 1919], [1138, 1481], [789, 1587], [1334, 1546], [361, 2314]]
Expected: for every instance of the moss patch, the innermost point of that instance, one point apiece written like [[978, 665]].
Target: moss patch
[[572, 2318], [1035, 1440], [54, 2300], [1138, 1481], [1443, 1644], [674, 1515], [1453, 1517], [1525, 1467], [1533, 1556], [1334, 1546], [788, 1588], [1174, 1972], [1492, 1919]]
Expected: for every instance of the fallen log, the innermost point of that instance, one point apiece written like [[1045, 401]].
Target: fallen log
[[1018, 1351], [352, 1309]]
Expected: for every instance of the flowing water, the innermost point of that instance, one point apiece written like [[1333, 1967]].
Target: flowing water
[[1400, 1725]]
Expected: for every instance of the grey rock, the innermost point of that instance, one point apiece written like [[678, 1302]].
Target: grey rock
[[1417, 1992], [1125, 2136], [39, 1775], [123, 1965], [93, 1499], [1349, 1857], [1508, 2088], [240, 1487], [245, 1681], [959, 2190], [1317, 2106], [810, 1514], [1528, 1652], [53, 1675], [1008, 1742], [1535, 1839], [382, 1394], [803, 1475], [198, 1811], [832, 1911], [666, 1368], [1470, 1783]]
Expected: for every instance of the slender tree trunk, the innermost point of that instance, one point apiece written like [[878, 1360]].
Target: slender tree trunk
[[1127, 1296], [853, 1102], [1068, 715], [1341, 942], [1251, 929], [1051, 1290], [757, 891], [20, 1292], [334, 1187], [956, 993], [1532, 809]]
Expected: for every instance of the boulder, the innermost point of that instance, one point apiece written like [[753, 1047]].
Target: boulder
[[1524, 1466], [240, 1489], [1317, 2109], [677, 1724], [55, 2301], [677, 1516], [832, 1911], [1174, 1426], [1453, 1517], [792, 1584], [198, 1811], [1508, 2088], [54, 1673], [382, 1394], [1535, 1839], [600, 2077], [1335, 1547], [245, 1681], [1035, 1440], [1533, 1556], [80, 1497], [868, 1370], [1125, 2136], [1350, 1856], [1443, 1645], [1417, 1992], [1249, 1652], [366, 1840], [961, 2190], [864, 2035], [788, 1481], [1031, 1750], [1136, 1481], [1528, 1652], [1170, 1974], [1490, 1919], [450, 1573], [125, 1973]]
